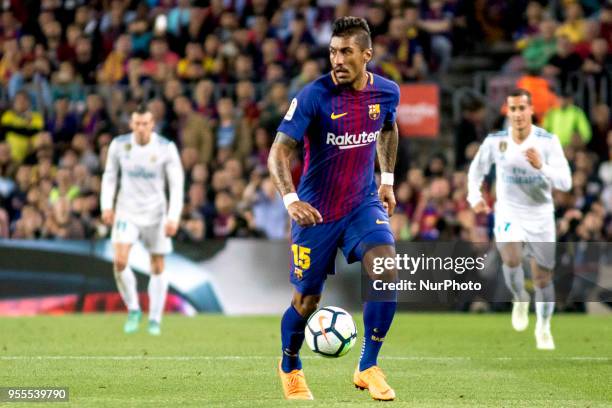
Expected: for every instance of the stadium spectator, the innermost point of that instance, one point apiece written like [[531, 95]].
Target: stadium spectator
[[602, 130], [437, 20], [192, 226], [568, 122], [310, 71], [204, 100], [471, 128], [29, 225], [540, 46], [542, 96], [193, 130], [532, 27], [605, 24], [161, 62], [113, 68], [19, 125], [65, 188], [224, 222], [191, 67], [563, 63], [85, 62], [8, 167], [95, 118], [246, 101], [232, 133], [583, 48], [270, 215], [299, 34], [63, 123], [573, 26], [158, 109], [407, 53], [60, 223], [378, 20], [597, 68], [32, 78]]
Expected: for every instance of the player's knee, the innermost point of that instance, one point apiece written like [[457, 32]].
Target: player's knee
[[119, 264], [306, 305], [380, 263], [542, 279], [157, 265], [512, 261]]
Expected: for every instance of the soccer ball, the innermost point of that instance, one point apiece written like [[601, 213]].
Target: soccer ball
[[331, 332]]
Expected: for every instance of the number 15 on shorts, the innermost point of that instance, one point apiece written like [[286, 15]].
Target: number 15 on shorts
[[301, 256]]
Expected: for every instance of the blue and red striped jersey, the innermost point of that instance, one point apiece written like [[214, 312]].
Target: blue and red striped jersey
[[339, 127]]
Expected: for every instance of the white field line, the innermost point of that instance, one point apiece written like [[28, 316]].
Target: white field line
[[441, 359]]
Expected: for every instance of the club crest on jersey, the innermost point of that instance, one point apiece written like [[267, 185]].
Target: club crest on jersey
[[503, 146], [299, 274], [374, 111], [153, 159], [128, 147]]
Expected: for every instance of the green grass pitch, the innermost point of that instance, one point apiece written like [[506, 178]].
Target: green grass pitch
[[432, 360]]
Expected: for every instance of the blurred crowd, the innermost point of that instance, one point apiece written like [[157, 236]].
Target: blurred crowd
[[218, 75]]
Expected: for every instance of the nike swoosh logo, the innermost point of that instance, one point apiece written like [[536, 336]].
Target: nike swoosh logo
[[381, 221], [334, 116], [323, 332]]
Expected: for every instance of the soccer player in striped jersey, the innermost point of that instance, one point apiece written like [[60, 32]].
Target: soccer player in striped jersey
[[529, 163], [141, 211], [342, 120]]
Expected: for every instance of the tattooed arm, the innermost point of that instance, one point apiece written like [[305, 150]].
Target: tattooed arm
[[279, 165], [386, 148]]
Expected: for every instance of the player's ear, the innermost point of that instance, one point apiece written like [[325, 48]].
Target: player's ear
[[367, 55]]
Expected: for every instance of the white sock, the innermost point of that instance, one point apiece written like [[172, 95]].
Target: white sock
[[126, 283], [158, 288], [515, 281], [544, 305]]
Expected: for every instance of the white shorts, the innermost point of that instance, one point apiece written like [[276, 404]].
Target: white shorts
[[153, 236], [539, 236]]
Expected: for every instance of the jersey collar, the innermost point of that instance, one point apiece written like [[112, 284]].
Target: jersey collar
[[528, 138], [134, 143]]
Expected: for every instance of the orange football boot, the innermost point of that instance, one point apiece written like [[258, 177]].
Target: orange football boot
[[373, 380], [294, 384]]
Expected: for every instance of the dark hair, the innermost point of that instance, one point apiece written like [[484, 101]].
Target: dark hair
[[520, 92], [23, 93], [141, 109], [353, 26]]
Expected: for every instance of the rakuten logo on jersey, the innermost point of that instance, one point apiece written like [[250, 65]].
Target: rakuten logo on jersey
[[347, 141]]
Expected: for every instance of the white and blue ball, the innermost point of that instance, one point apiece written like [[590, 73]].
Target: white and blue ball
[[331, 332]]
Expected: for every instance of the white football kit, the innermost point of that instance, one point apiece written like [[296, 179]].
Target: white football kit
[[524, 210], [141, 208]]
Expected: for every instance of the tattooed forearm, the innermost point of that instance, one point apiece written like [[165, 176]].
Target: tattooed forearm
[[386, 148], [279, 162]]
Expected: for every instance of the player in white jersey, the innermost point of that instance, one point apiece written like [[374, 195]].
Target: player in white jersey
[[529, 163], [141, 212]]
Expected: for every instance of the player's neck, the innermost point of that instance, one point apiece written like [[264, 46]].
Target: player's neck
[[361, 81], [143, 141], [519, 135]]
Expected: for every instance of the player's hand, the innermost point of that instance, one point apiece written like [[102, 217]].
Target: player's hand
[[481, 208], [304, 214], [533, 157], [171, 228], [108, 217], [387, 198]]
